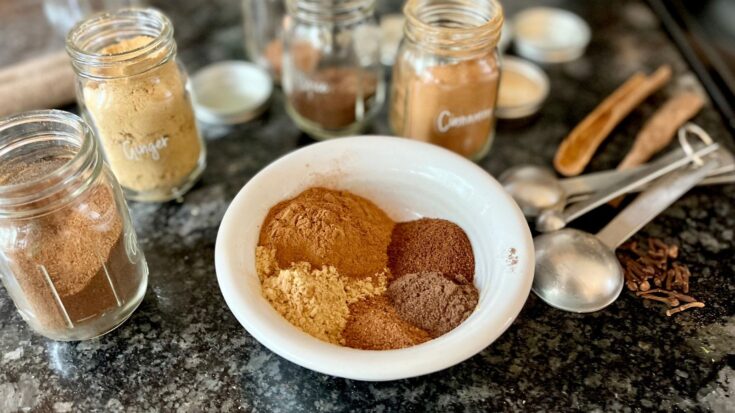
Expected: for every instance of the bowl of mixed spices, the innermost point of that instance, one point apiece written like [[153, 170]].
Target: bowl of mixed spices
[[374, 258]]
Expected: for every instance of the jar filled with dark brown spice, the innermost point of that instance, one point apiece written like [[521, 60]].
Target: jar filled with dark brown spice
[[69, 257], [332, 75]]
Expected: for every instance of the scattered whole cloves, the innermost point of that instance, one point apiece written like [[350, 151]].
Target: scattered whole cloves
[[652, 274]]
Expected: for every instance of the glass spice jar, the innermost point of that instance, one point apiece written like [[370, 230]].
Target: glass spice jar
[[63, 14], [69, 257], [332, 75], [134, 95], [263, 26], [445, 79]]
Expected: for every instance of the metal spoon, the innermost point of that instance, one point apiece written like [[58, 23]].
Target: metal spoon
[[579, 272], [536, 189], [554, 220], [724, 174]]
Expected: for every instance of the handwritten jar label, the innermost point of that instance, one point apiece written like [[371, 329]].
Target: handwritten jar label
[[151, 150], [447, 120], [305, 84]]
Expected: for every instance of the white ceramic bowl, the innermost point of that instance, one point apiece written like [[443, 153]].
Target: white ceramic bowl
[[408, 179]]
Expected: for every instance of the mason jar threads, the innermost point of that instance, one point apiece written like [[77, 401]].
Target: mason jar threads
[[263, 25], [135, 96], [69, 257], [445, 79], [332, 75]]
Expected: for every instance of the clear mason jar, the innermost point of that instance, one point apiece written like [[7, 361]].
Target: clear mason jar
[[332, 75], [446, 75], [263, 26], [64, 14], [69, 257], [135, 96]]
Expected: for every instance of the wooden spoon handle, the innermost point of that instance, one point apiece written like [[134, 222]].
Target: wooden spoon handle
[[40, 83], [577, 149]]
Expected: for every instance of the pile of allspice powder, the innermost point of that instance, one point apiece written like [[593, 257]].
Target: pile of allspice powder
[[336, 266]]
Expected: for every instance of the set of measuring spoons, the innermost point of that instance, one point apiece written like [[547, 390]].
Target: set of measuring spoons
[[578, 271]]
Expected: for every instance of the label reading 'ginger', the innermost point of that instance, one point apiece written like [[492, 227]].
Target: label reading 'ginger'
[[145, 150]]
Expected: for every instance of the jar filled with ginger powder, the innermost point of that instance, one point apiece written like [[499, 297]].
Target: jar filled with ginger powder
[[134, 94], [445, 79]]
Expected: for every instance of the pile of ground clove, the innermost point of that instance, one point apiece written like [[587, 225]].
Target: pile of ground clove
[[651, 272]]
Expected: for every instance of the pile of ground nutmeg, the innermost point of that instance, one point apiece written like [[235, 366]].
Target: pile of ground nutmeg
[[336, 266]]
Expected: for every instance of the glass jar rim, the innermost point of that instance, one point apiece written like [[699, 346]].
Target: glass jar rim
[[148, 22], [74, 176], [330, 11], [485, 34]]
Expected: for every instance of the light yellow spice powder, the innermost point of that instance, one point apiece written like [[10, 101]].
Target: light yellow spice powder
[[145, 122], [314, 300]]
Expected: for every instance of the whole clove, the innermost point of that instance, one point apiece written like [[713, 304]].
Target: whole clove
[[696, 304], [652, 274]]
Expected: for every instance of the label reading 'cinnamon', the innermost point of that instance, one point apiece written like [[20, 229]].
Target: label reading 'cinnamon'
[[448, 120]]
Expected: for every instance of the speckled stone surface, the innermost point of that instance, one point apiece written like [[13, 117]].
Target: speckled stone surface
[[184, 351]]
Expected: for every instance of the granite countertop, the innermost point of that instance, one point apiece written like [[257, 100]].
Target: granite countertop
[[183, 350]]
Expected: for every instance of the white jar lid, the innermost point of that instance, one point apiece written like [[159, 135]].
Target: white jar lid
[[550, 35], [523, 88], [230, 92]]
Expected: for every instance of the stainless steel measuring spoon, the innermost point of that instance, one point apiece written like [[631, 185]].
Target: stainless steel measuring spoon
[[556, 219], [577, 271], [722, 175], [536, 189]]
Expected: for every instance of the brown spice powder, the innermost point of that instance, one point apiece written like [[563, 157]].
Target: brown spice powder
[[373, 324], [322, 264], [335, 98], [430, 245], [432, 301], [451, 105], [72, 246], [14, 173], [329, 228]]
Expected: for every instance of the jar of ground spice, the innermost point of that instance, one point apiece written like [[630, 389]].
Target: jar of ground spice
[[332, 75], [445, 79], [69, 258], [134, 94]]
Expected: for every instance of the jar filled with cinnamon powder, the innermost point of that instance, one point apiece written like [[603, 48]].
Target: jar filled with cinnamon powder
[[69, 257], [445, 79], [332, 75], [135, 96]]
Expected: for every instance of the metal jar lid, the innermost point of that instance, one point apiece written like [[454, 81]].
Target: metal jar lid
[[550, 35], [230, 92]]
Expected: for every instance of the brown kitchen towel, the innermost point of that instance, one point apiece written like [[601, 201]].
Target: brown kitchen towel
[[43, 82]]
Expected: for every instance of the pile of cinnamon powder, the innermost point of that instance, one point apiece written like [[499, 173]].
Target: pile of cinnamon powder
[[333, 264]]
